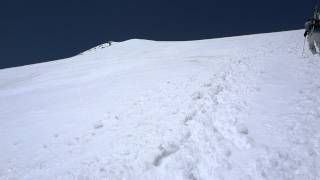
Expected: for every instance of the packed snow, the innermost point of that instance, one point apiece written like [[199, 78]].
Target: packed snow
[[237, 108]]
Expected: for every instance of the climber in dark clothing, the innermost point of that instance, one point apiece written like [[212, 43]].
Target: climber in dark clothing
[[312, 32]]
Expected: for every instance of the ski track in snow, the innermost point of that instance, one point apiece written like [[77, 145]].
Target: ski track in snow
[[254, 116]]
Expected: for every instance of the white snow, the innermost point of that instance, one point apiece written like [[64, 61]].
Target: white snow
[[239, 108]]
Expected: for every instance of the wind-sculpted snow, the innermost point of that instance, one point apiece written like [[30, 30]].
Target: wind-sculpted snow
[[242, 108]]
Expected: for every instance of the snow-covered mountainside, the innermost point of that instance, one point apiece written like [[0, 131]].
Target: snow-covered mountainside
[[239, 108]]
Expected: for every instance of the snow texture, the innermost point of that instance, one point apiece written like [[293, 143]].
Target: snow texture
[[238, 108]]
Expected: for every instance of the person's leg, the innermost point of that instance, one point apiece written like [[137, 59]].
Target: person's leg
[[312, 47], [311, 43], [317, 41]]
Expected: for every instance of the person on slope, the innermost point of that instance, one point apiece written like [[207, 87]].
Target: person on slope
[[312, 32]]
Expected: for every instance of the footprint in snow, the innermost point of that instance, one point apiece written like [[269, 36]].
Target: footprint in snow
[[242, 129], [207, 85], [165, 152], [190, 117], [197, 96], [98, 125]]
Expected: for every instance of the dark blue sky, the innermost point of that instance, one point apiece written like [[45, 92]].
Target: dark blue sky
[[39, 31]]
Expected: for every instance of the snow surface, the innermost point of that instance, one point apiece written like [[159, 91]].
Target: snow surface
[[234, 108]]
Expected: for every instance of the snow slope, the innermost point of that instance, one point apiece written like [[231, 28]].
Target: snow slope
[[232, 108]]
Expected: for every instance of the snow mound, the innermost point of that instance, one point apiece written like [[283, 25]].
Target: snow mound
[[231, 108]]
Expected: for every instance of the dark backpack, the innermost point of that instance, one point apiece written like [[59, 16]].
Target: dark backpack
[[315, 23]]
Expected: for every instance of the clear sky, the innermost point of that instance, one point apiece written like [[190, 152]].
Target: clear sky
[[39, 31]]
